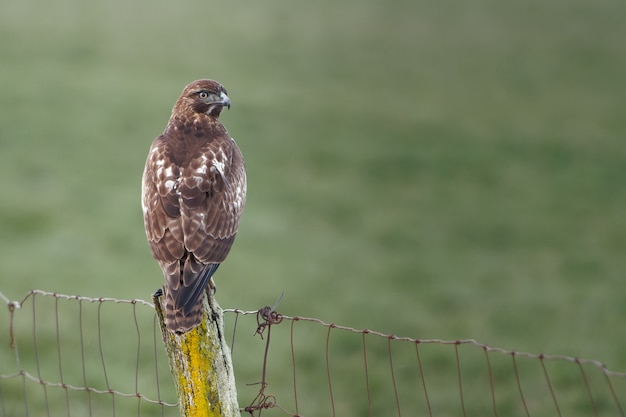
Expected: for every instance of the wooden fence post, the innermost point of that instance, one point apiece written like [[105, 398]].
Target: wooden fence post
[[201, 364]]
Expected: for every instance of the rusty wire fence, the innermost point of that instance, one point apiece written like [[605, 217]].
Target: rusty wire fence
[[66, 355]]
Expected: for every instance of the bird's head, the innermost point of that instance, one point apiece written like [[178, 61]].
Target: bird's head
[[203, 96]]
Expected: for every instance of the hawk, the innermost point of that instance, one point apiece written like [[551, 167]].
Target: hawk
[[193, 194]]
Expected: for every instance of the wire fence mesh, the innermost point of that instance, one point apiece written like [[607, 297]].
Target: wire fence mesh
[[78, 356]]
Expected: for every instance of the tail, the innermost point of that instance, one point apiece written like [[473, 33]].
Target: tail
[[184, 305], [179, 320]]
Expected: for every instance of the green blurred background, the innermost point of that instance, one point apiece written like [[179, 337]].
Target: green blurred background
[[434, 169]]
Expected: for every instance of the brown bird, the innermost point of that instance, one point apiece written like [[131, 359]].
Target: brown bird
[[193, 194]]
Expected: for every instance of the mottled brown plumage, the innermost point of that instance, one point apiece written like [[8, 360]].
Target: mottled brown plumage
[[193, 194]]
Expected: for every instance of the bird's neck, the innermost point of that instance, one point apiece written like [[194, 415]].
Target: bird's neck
[[197, 122]]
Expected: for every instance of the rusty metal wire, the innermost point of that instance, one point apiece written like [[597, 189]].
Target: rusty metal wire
[[464, 385], [361, 371], [60, 345]]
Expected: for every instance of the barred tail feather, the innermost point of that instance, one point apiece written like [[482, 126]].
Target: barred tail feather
[[183, 301], [181, 320]]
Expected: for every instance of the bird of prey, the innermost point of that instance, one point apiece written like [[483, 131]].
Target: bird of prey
[[193, 195]]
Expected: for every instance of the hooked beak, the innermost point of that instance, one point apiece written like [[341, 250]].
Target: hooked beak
[[225, 100]]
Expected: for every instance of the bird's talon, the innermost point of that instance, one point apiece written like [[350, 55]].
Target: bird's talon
[[212, 286]]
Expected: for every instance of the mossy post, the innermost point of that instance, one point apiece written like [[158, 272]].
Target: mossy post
[[201, 364]]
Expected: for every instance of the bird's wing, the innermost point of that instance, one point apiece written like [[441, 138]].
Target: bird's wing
[[161, 207], [212, 196]]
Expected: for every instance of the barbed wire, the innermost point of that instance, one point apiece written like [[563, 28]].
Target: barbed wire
[[75, 355]]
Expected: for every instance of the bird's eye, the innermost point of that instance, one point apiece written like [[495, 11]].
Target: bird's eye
[[203, 94]]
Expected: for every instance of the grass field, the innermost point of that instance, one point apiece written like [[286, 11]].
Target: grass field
[[433, 169]]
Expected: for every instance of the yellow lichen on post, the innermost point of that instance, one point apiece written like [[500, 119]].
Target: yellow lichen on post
[[194, 383], [201, 365]]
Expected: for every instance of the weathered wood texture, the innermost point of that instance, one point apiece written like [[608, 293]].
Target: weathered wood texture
[[201, 364]]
